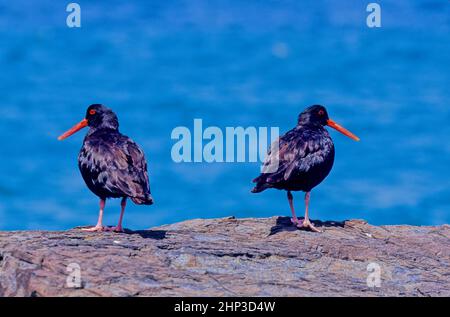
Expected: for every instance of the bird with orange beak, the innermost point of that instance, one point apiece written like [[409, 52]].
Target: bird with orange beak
[[111, 164], [304, 157]]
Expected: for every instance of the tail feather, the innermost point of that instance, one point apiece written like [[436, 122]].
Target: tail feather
[[260, 184], [147, 200]]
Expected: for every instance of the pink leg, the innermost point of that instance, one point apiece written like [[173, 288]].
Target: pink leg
[[306, 222], [119, 227], [99, 225], [294, 218], [307, 196]]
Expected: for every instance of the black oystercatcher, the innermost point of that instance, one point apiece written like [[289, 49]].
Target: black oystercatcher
[[112, 165], [305, 156]]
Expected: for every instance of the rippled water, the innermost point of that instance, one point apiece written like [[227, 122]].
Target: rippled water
[[160, 64]]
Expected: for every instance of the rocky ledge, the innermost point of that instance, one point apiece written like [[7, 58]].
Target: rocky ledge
[[229, 257]]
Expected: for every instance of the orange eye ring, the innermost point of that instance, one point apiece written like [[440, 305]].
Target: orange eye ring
[[92, 112], [321, 112]]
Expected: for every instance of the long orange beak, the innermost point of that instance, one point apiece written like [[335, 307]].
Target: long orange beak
[[83, 123], [341, 129]]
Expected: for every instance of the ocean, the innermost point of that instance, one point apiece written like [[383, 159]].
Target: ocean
[[161, 64]]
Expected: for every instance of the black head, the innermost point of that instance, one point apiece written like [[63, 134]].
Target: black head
[[99, 116], [316, 114]]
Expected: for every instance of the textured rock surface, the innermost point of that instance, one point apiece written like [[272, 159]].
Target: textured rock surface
[[229, 257]]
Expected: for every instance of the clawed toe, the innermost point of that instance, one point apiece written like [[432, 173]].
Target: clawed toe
[[115, 229], [103, 229], [94, 229], [306, 224], [296, 221]]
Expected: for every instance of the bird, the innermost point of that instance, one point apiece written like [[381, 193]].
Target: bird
[[301, 159], [111, 164]]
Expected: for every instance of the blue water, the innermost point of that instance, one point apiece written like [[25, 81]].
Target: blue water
[[160, 64]]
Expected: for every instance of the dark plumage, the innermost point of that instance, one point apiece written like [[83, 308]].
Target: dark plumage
[[305, 155], [111, 164]]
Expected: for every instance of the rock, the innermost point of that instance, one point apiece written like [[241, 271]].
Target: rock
[[229, 257]]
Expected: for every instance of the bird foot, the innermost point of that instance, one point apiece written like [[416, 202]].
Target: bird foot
[[296, 221], [115, 229], [97, 228], [306, 223]]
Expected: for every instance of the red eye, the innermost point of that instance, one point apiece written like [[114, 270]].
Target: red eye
[[321, 112], [92, 112]]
